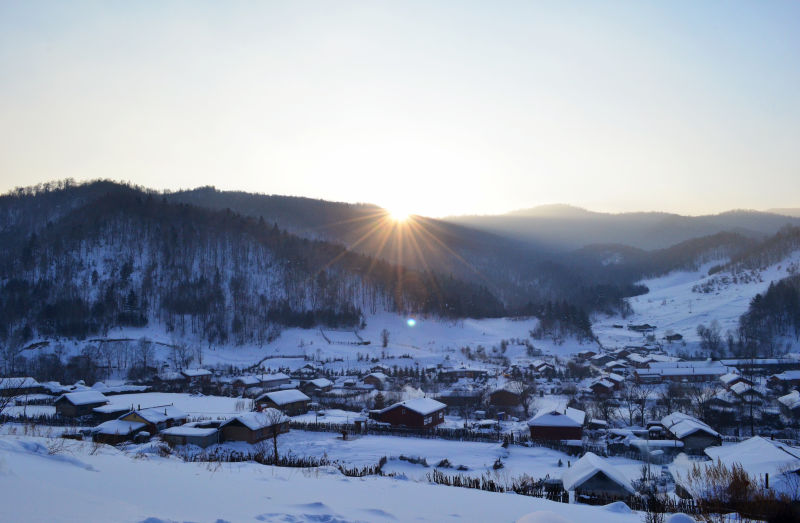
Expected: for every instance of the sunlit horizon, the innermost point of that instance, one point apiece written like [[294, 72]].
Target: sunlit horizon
[[441, 108]]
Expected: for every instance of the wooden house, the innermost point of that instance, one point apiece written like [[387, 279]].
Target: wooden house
[[695, 435], [291, 402], [592, 476], [253, 427], [379, 380], [557, 424], [421, 413], [116, 431], [157, 419], [190, 435], [76, 404]]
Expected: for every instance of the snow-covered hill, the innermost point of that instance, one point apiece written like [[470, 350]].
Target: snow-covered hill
[[680, 301]]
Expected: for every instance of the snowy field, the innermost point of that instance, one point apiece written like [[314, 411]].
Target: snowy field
[[80, 484], [428, 341]]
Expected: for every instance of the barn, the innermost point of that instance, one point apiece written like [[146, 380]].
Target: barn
[[557, 424], [422, 413]]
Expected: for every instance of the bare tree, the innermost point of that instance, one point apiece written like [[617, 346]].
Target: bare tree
[[276, 419], [10, 390], [634, 397], [700, 397]]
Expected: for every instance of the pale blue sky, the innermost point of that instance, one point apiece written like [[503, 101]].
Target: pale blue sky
[[429, 107]]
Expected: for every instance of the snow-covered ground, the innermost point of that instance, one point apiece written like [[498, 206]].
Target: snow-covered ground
[[43, 483], [428, 341], [672, 305]]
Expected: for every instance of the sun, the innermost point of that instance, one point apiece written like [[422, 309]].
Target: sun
[[399, 214]]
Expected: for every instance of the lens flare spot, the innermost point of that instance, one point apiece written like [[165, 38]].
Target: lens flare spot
[[411, 322]]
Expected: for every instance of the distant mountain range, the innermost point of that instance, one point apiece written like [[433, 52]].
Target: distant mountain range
[[567, 227]]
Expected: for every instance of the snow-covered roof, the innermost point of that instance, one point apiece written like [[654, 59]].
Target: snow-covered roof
[[729, 378], [422, 406], [556, 418], [259, 420], [587, 467], [788, 375], [84, 397], [187, 430], [682, 425], [274, 377], [791, 400], [741, 387], [758, 456], [321, 382], [160, 414], [247, 380], [284, 397], [110, 408], [378, 375], [18, 383], [195, 373], [117, 426]]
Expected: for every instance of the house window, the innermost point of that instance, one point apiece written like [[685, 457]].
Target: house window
[[428, 420]]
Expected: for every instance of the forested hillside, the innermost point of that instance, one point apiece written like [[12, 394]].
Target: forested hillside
[[81, 260]]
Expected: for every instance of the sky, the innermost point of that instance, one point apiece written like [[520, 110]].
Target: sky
[[433, 107]]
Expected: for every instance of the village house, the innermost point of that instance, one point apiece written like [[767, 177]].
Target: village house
[[422, 413], [762, 458], [76, 404], [592, 476], [197, 376], [503, 397], [455, 374], [317, 386], [276, 381], [109, 412], [190, 435], [790, 404], [291, 402], [20, 386], [557, 424], [695, 435], [156, 419], [732, 378], [379, 380], [242, 383], [681, 371], [252, 427], [602, 388], [785, 380]]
